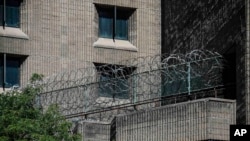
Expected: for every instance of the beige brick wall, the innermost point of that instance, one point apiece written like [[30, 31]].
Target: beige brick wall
[[202, 119], [62, 32]]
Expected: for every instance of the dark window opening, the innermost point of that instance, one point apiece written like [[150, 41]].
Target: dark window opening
[[10, 13], [113, 21], [10, 70], [114, 80]]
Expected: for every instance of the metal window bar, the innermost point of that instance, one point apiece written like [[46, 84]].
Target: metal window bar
[[114, 24], [4, 13], [4, 71]]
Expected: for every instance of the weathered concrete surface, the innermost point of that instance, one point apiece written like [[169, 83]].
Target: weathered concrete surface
[[193, 120], [95, 131]]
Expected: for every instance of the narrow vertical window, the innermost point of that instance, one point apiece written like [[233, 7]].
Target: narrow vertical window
[[122, 24], [106, 22], [1, 13], [12, 72]]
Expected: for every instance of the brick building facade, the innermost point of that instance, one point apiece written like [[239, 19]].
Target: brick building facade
[[55, 36]]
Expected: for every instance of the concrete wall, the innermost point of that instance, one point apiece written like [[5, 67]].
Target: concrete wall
[[61, 34], [94, 131], [194, 120], [204, 119]]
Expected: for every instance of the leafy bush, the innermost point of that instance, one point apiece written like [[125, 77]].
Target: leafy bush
[[22, 120]]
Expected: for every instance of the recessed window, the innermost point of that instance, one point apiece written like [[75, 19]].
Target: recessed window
[[114, 80], [113, 86], [10, 13], [9, 70], [113, 21]]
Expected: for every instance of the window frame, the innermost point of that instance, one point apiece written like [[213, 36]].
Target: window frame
[[4, 60], [117, 14]]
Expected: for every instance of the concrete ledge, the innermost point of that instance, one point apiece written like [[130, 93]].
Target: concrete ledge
[[108, 102], [210, 99], [5, 91], [12, 32], [114, 44]]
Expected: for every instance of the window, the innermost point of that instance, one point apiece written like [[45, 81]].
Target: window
[[113, 22], [114, 80], [9, 70], [10, 13], [113, 86]]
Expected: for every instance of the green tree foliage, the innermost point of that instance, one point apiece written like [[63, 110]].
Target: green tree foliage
[[22, 120]]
